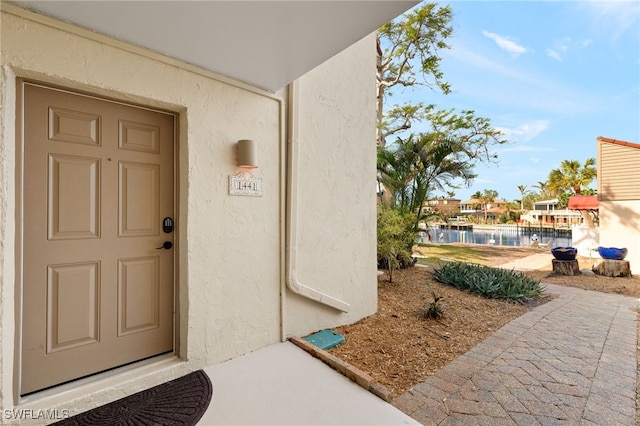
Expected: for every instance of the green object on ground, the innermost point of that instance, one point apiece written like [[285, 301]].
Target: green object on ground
[[325, 339]]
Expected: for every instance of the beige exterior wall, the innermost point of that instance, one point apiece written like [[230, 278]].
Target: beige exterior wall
[[620, 227], [618, 177], [337, 168], [232, 296], [585, 240], [619, 195]]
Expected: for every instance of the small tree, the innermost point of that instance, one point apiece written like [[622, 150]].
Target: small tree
[[408, 56], [413, 167], [395, 240]]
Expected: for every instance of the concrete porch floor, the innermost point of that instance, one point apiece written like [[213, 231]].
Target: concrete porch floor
[[284, 385]]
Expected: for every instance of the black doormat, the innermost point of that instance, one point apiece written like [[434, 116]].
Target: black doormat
[[182, 401]]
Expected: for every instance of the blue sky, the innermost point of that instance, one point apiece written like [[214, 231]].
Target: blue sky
[[551, 75]]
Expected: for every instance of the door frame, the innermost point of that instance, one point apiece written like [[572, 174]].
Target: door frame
[[19, 237]]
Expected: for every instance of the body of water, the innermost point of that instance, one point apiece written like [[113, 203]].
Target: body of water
[[508, 237]]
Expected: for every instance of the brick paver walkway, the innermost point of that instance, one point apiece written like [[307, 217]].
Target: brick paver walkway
[[571, 361]]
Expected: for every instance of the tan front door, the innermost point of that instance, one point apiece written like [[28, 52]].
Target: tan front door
[[98, 181]]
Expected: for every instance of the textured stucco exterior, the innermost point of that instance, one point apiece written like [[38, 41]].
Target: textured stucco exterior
[[585, 240], [337, 249], [232, 296], [620, 227], [619, 196]]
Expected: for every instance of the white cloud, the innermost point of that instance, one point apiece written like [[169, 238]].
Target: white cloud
[[554, 54], [525, 132], [534, 159], [616, 17], [559, 48], [482, 180], [505, 44], [476, 60], [527, 148]]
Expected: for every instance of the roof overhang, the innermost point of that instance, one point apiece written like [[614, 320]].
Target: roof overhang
[[583, 202], [267, 44]]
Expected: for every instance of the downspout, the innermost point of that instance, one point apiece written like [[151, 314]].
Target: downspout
[[291, 224]]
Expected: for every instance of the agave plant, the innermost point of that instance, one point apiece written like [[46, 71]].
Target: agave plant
[[489, 282]]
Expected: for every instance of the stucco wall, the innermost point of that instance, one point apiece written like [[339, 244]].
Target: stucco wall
[[230, 249], [585, 240], [620, 227], [335, 138]]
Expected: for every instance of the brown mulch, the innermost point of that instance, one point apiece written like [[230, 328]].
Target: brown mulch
[[399, 347]]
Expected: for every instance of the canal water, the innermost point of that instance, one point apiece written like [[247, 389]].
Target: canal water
[[498, 237]]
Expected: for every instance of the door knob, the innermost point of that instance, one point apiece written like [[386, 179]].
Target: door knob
[[166, 245]]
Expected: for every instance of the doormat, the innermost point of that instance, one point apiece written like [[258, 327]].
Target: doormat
[[182, 401]]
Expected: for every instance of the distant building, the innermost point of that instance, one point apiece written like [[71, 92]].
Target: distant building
[[446, 207], [474, 206], [547, 211]]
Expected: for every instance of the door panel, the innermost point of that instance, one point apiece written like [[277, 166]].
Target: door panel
[[139, 197], [139, 137], [73, 304], [74, 197], [98, 178], [138, 294], [74, 126]]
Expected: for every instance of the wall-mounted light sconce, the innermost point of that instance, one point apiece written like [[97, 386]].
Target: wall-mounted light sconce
[[247, 154]]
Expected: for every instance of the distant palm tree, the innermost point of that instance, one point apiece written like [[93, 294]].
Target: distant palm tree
[[511, 211], [485, 198], [543, 187], [573, 177], [523, 192], [476, 205]]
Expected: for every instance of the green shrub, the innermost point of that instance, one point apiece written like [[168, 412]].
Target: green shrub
[[395, 240], [489, 282]]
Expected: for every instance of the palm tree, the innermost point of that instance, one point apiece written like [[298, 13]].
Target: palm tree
[[573, 177], [411, 168], [487, 197], [512, 211], [476, 205], [395, 173], [544, 189], [523, 192]]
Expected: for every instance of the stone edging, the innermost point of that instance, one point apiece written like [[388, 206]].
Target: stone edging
[[344, 368]]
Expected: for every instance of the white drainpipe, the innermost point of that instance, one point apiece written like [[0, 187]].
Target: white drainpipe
[[292, 212]]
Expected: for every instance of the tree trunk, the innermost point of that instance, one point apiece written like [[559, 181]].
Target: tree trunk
[[379, 97], [588, 221], [566, 267], [612, 268]]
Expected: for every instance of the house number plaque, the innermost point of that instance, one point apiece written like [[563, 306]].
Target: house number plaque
[[245, 184]]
